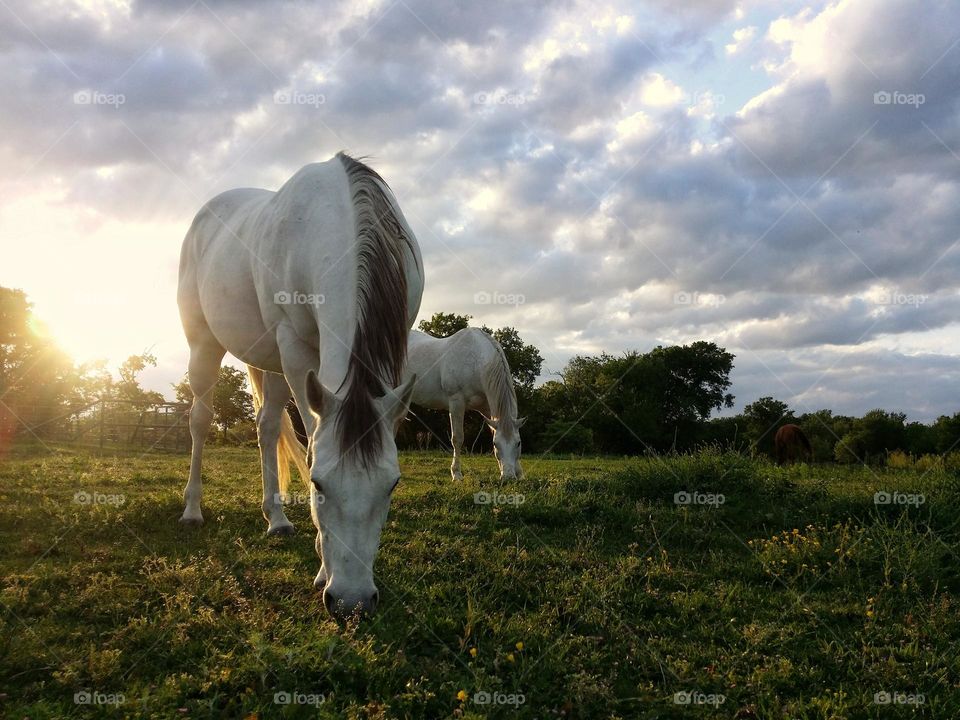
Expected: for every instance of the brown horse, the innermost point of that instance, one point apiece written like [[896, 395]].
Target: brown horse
[[791, 445]]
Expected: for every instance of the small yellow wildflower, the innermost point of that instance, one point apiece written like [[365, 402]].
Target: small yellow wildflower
[[473, 652], [510, 657], [462, 696], [520, 645]]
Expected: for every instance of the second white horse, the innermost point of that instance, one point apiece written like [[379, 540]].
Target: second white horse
[[468, 371]]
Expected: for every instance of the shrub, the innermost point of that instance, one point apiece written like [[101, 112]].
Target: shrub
[[567, 437], [929, 462], [850, 448], [899, 459]]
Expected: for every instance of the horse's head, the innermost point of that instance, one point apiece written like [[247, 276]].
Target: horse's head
[[506, 446], [350, 497]]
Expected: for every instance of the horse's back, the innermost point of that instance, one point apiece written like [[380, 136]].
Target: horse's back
[[312, 206], [449, 367], [248, 247], [218, 222]]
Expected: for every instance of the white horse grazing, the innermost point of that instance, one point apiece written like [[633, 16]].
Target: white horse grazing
[[314, 287], [468, 371]]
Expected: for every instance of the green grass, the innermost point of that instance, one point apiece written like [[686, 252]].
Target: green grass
[[798, 597]]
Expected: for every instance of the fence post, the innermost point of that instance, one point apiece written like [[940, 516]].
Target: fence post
[[101, 423]]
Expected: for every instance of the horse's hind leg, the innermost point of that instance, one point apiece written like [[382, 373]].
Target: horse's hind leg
[[204, 366], [276, 392], [457, 409]]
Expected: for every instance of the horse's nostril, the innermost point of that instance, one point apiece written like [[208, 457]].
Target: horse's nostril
[[340, 608]]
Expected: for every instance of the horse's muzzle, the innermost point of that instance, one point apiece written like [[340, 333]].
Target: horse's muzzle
[[341, 607]]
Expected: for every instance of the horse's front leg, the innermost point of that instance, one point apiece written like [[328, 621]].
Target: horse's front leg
[[457, 409], [276, 392], [204, 366], [298, 358]]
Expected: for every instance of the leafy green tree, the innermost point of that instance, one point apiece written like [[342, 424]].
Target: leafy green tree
[[819, 428], [871, 437], [35, 374], [128, 386], [920, 439], [16, 339], [695, 381], [882, 431], [946, 431], [443, 325], [851, 448], [232, 403], [648, 401]]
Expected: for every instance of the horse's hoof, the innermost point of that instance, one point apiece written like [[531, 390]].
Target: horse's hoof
[[282, 530], [458, 477], [189, 522]]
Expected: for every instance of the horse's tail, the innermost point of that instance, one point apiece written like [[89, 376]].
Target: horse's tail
[[289, 448], [498, 383]]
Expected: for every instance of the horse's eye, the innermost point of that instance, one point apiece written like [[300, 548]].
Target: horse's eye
[[317, 485]]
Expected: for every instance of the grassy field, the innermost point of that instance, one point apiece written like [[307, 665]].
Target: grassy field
[[597, 596]]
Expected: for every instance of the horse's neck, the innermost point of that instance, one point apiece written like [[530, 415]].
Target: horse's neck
[[500, 393], [335, 332]]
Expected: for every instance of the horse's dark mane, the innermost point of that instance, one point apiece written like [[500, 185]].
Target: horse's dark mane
[[380, 338], [498, 383]]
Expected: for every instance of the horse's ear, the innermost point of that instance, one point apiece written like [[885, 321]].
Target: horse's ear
[[397, 401], [318, 397], [489, 421], [520, 422]]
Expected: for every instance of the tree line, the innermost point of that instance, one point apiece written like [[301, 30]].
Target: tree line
[[660, 401]]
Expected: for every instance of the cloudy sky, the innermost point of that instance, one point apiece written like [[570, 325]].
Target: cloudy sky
[[780, 177]]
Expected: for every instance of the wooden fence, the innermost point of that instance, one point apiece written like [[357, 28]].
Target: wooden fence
[[105, 424]]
